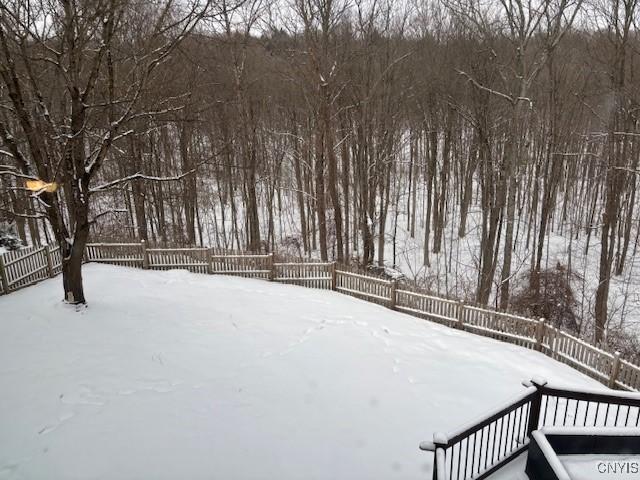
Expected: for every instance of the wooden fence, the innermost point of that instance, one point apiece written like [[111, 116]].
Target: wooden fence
[[21, 268], [27, 266]]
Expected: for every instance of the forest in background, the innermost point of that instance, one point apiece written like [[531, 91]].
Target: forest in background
[[499, 140]]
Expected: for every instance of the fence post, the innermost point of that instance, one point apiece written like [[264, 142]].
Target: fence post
[[3, 276], [540, 326], [460, 315], [334, 276], [272, 268], [47, 254], [393, 294], [615, 369], [209, 262], [145, 255], [536, 402]]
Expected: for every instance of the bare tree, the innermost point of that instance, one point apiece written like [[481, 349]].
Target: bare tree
[[74, 72]]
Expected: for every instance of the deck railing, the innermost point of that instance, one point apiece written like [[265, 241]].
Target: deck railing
[[485, 445], [27, 266]]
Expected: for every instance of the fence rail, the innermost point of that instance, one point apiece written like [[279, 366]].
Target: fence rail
[[27, 266]]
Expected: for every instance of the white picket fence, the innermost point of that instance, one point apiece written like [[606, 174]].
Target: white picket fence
[[27, 266]]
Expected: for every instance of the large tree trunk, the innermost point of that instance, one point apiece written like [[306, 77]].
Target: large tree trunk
[[512, 161], [72, 272], [72, 250], [320, 198], [333, 180], [345, 189], [300, 187], [493, 195]]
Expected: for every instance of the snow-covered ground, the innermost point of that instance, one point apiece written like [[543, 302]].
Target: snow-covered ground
[[176, 375]]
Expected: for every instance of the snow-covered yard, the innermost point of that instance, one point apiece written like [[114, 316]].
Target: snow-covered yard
[[176, 375]]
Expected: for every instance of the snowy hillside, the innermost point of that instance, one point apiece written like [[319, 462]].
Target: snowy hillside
[[177, 375]]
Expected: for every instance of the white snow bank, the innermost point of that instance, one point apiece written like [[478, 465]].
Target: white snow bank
[[175, 375]]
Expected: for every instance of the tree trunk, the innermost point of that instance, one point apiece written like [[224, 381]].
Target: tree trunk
[[320, 199]]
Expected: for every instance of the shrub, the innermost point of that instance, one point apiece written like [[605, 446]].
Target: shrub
[[627, 343], [548, 294], [8, 237]]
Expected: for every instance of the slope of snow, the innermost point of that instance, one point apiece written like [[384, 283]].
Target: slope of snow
[[176, 375]]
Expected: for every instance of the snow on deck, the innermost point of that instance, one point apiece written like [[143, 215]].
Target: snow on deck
[[177, 375]]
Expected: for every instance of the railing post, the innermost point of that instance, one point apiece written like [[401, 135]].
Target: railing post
[[334, 276], [3, 276], [47, 255], [434, 473], [553, 343], [209, 262], [272, 268], [393, 294], [615, 369], [536, 402], [440, 441], [145, 255], [540, 326], [460, 315], [433, 447]]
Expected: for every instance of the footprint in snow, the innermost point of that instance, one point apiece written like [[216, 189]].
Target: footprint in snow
[[51, 427]]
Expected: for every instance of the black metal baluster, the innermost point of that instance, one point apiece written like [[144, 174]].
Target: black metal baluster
[[626, 419], [575, 414], [459, 456], [595, 420], [481, 449], [526, 423], [566, 410], [451, 462], [555, 412], [514, 432], [486, 456], [466, 458], [606, 415], [500, 438], [473, 453], [615, 421], [586, 414], [495, 437], [506, 436], [543, 417], [519, 424]]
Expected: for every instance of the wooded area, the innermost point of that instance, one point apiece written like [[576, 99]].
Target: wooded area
[[327, 128]]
